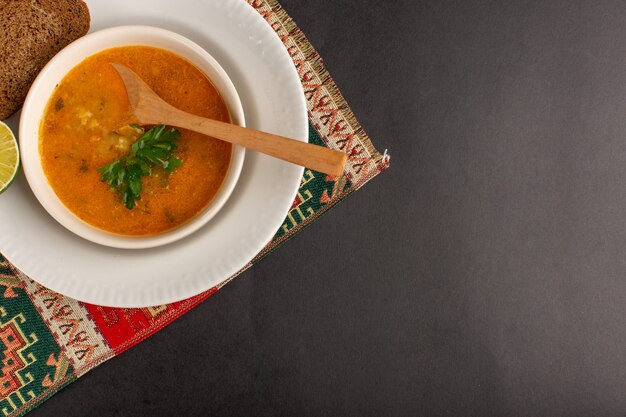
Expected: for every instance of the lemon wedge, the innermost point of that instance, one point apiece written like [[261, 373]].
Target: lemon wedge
[[9, 157]]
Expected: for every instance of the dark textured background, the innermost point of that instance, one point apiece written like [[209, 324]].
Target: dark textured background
[[482, 275]]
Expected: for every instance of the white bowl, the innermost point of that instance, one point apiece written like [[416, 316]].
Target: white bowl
[[42, 90]]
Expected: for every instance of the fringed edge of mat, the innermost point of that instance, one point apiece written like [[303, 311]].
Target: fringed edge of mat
[[316, 61]]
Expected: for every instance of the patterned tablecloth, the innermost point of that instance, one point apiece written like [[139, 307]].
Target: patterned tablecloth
[[48, 340]]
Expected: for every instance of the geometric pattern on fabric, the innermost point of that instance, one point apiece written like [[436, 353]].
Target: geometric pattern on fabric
[[316, 190], [125, 327], [31, 361], [70, 324]]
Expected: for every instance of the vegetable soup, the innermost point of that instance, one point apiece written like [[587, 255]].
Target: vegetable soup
[[87, 125]]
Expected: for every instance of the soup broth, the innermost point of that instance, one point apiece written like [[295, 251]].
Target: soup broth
[[83, 129]]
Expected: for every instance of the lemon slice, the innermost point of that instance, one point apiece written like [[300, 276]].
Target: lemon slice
[[9, 157]]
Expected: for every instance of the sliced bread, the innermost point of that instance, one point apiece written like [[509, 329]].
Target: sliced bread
[[31, 33]]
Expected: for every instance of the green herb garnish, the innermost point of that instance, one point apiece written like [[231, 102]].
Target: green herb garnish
[[153, 148]]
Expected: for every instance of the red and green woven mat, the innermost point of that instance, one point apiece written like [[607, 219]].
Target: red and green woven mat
[[48, 340]]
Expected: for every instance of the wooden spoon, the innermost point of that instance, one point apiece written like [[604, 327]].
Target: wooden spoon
[[148, 108]]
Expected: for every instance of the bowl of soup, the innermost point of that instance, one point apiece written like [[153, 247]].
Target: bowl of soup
[[76, 124]]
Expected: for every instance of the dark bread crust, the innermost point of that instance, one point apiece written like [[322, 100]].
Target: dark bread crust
[[31, 33]]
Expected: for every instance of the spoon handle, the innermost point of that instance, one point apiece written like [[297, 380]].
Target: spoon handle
[[312, 156]]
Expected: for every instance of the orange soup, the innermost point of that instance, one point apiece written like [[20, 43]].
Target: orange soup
[[85, 127]]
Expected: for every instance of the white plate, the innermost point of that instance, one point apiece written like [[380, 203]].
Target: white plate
[[271, 94]]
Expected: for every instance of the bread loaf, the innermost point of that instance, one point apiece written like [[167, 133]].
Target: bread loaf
[[31, 33]]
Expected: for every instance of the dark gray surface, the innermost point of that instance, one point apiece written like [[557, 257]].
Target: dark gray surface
[[483, 274]]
